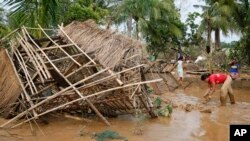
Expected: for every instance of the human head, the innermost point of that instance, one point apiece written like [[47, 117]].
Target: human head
[[232, 62], [180, 58], [204, 77]]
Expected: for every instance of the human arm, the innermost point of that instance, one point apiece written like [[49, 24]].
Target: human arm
[[210, 90]]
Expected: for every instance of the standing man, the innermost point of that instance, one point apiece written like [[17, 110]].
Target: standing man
[[226, 89]]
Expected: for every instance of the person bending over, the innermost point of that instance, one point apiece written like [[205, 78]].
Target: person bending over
[[226, 89]]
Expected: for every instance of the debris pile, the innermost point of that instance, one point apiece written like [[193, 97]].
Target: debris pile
[[82, 68]]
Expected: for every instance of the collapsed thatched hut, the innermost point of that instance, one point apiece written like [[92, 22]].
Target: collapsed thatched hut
[[82, 69], [110, 49]]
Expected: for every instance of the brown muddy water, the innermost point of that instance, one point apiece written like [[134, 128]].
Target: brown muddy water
[[183, 125]]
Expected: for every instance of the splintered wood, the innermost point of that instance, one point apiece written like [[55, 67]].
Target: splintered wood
[[82, 69]]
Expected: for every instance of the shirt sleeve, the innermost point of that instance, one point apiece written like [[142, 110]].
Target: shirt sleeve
[[212, 79]]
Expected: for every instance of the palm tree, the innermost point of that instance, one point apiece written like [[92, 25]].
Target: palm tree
[[3, 27], [134, 9], [222, 18], [162, 26], [242, 17], [33, 12]]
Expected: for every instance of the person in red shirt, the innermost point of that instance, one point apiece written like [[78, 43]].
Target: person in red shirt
[[226, 89]]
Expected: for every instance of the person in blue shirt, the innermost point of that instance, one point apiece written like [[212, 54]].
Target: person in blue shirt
[[234, 69]]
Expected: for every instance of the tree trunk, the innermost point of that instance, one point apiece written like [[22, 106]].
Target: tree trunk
[[209, 29], [217, 38], [137, 30], [129, 25]]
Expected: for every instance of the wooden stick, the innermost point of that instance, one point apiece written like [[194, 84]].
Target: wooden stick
[[110, 71], [79, 93], [132, 95], [20, 81], [63, 58], [77, 70], [59, 46], [32, 58], [38, 59], [82, 98], [31, 115], [52, 97], [44, 89], [43, 64], [26, 73], [38, 28], [108, 77], [56, 47]]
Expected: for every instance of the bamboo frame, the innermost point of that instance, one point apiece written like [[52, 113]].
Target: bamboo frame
[[59, 74], [82, 98]]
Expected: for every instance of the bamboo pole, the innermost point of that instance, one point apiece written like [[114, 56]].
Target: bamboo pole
[[63, 58], [108, 77], [26, 73], [33, 28], [20, 81], [45, 88], [82, 98], [77, 70], [24, 35], [79, 93], [37, 58], [56, 47], [32, 58], [43, 64], [74, 88], [110, 71], [52, 97], [59, 46], [132, 95], [30, 115]]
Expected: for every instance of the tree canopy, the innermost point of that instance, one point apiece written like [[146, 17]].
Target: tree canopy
[[156, 22]]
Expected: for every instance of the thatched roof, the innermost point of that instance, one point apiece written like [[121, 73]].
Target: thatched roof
[[10, 88], [108, 47]]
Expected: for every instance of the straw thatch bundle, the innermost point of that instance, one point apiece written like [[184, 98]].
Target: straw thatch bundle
[[10, 88], [108, 48]]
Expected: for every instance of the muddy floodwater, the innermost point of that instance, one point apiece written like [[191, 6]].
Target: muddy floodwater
[[183, 125]]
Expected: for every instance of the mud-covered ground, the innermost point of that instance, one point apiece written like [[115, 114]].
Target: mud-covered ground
[[190, 121]]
